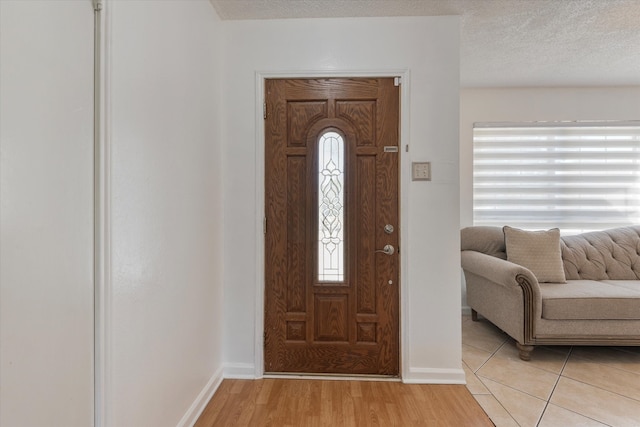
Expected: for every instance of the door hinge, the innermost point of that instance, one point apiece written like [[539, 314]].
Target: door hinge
[[264, 225], [264, 110], [397, 81], [97, 5]]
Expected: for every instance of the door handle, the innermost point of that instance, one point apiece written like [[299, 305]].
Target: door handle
[[387, 250]]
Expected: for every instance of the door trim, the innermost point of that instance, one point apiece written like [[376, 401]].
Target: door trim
[[404, 179]]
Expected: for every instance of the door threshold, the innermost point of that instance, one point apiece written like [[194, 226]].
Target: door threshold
[[330, 377]]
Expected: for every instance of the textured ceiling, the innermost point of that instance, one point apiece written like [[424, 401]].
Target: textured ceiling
[[503, 42]]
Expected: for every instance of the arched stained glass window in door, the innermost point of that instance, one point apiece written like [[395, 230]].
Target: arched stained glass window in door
[[331, 154]]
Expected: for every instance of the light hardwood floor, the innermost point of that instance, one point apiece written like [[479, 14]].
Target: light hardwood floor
[[308, 403]]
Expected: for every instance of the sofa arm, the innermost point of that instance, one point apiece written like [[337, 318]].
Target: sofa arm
[[497, 270], [521, 288]]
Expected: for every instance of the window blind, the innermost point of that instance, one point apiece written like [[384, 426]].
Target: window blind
[[577, 176]]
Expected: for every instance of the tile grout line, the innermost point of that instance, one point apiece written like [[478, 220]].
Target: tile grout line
[[607, 364], [492, 354], [603, 389], [485, 385], [496, 399], [504, 342], [564, 365], [595, 386], [573, 353]]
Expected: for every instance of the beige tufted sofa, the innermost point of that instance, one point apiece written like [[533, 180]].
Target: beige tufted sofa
[[598, 305]]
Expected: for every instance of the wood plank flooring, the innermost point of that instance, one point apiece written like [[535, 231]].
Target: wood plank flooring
[[309, 403]]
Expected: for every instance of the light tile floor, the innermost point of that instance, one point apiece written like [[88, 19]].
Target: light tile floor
[[560, 386]]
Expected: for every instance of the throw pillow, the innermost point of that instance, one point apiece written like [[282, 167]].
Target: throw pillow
[[539, 251]]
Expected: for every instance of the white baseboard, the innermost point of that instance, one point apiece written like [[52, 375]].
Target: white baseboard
[[240, 371], [194, 412], [246, 371], [435, 376]]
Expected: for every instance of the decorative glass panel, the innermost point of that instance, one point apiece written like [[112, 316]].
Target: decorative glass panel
[[331, 207]]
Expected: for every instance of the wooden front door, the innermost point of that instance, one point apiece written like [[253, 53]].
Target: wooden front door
[[332, 294]]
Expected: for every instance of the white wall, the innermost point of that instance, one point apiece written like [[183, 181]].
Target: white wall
[[533, 104], [428, 49], [164, 316], [46, 213]]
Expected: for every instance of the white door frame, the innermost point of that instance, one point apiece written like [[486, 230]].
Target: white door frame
[[404, 177]]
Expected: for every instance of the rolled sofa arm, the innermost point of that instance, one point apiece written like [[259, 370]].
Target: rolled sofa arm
[[513, 309], [497, 270]]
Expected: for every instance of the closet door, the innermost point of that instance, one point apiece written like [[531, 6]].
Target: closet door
[[46, 213]]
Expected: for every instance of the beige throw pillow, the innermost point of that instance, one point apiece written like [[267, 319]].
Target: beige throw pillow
[[539, 251]]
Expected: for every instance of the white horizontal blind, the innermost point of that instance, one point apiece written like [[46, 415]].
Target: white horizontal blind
[[578, 177]]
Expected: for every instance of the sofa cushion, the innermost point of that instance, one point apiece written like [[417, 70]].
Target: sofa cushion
[[591, 300], [486, 239], [539, 251], [600, 255]]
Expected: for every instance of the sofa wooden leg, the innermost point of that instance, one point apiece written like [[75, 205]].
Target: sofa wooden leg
[[474, 315], [524, 351]]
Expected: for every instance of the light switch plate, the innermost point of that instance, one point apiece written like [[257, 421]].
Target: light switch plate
[[421, 171]]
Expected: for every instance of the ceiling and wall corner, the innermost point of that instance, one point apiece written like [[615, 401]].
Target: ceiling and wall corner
[[503, 42]]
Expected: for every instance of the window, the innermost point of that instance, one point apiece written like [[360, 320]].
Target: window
[[575, 176], [331, 207]]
